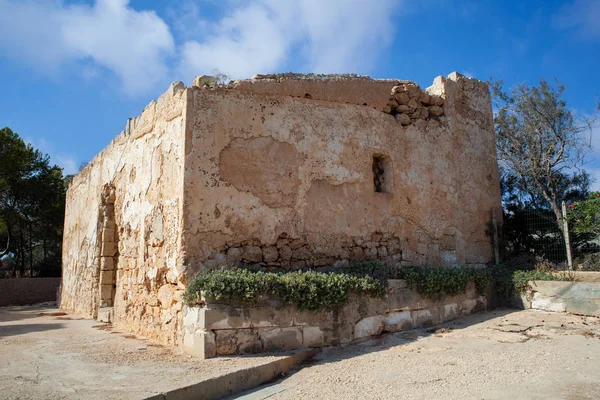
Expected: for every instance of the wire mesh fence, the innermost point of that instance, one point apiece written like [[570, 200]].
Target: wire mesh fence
[[534, 232], [537, 233]]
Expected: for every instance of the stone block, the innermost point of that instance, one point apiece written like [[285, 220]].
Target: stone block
[[191, 319], [371, 253], [368, 306], [200, 344], [108, 235], [106, 292], [435, 110], [369, 326], [266, 317], [237, 341], [322, 318], [541, 302], [426, 318], [252, 253], [324, 262], [393, 247], [296, 244], [382, 252], [285, 252], [107, 263], [398, 321], [313, 336], [234, 255], [165, 295], [109, 249], [408, 299], [343, 253], [303, 253], [449, 312], [107, 277], [281, 339], [471, 306], [357, 253], [105, 314], [270, 254]]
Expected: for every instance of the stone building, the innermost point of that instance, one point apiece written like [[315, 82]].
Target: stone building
[[286, 171]]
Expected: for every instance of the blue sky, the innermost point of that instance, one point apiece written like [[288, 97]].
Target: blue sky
[[72, 72]]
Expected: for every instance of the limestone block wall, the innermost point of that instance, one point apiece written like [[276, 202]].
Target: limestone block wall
[[227, 329], [581, 298], [291, 173], [123, 225]]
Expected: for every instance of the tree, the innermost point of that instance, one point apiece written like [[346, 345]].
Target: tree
[[540, 144], [32, 198], [584, 216]]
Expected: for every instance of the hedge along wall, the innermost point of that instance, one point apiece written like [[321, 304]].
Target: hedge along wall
[[220, 328], [25, 291]]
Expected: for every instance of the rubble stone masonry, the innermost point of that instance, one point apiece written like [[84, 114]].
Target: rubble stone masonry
[[284, 172]]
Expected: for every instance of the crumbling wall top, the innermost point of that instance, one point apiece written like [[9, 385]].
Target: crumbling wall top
[[341, 88]]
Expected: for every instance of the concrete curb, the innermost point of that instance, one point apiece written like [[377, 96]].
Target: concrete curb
[[237, 381]]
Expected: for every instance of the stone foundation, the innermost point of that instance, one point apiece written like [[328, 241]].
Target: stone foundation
[[581, 298], [226, 329], [299, 253]]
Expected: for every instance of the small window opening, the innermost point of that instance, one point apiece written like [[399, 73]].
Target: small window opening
[[381, 174]]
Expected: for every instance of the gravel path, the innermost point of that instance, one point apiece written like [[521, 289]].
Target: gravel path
[[46, 354], [496, 355]]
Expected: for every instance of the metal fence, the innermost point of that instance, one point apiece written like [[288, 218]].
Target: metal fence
[[537, 233]]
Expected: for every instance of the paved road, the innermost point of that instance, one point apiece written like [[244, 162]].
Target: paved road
[[497, 355]]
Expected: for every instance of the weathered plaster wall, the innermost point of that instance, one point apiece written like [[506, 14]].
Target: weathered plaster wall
[[145, 166], [278, 177]]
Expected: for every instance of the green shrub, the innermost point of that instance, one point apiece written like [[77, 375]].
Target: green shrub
[[375, 269], [438, 282], [326, 290], [306, 290], [508, 281]]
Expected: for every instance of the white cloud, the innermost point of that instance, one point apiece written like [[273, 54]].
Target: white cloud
[[48, 34], [67, 162], [581, 15], [254, 36], [327, 36]]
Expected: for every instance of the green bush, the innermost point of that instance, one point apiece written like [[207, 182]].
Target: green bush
[[326, 290], [306, 290], [438, 282], [375, 269], [430, 282], [509, 281]]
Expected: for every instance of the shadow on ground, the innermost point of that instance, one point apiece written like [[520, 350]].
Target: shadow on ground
[[379, 344], [13, 330]]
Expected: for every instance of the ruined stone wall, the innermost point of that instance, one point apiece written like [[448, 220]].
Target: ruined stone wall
[[144, 166], [294, 173]]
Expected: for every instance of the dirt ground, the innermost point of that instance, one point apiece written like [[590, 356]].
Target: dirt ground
[[496, 355], [48, 355]]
